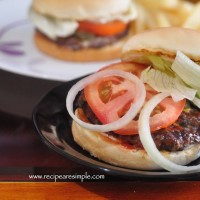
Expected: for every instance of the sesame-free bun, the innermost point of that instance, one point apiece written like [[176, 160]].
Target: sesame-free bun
[[164, 42], [112, 151], [80, 9], [60, 52]]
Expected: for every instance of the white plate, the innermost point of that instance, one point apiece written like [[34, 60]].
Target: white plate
[[18, 53]]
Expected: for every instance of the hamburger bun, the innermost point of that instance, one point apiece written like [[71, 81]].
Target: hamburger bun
[[164, 42], [79, 10], [114, 152]]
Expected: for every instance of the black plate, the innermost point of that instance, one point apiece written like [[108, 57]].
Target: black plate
[[53, 124]]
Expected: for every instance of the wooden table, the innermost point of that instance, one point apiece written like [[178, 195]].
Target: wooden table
[[101, 191], [22, 153]]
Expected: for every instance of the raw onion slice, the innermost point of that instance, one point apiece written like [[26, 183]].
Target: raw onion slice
[[148, 143], [123, 121]]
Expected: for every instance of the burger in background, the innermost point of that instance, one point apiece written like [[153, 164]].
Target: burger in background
[[88, 30]]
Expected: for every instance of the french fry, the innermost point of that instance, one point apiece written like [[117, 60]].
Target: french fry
[[193, 20], [162, 20], [158, 4], [140, 24], [183, 11], [151, 20], [165, 13]]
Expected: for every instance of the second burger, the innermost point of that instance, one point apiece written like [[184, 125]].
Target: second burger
[[76, 30]]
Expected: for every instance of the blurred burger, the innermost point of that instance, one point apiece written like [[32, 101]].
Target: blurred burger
[[86, 30]]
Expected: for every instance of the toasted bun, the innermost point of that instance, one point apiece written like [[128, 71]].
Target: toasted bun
[[164, 42], [112, 151], [80, 9], [51, 48]]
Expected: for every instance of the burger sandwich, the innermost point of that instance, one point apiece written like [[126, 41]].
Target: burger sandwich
[[144, 112], [88, 30]]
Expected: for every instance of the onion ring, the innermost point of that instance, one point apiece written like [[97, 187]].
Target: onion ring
[[148, 143], [130, 114]]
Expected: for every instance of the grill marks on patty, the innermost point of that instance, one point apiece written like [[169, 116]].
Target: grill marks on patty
[[81, 40], [176, 137]]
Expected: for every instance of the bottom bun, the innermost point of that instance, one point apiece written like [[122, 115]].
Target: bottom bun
[[111, 150], [52, 49]]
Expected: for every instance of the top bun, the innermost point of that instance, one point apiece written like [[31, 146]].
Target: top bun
[[164, 42], [80, 9]]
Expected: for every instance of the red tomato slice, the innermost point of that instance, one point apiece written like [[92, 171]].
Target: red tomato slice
[[107, 29], [105, 104], [169, 113], [111, 97]]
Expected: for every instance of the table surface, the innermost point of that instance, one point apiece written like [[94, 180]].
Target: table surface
[[23, 154], [101, 191]]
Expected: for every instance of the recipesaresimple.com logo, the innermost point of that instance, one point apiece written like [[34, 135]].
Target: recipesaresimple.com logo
[[67, 177]]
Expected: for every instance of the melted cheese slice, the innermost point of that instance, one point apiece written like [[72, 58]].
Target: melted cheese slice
[[51, 27]]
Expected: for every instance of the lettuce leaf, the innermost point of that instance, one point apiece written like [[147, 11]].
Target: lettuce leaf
[[162, 82], [161, 64]]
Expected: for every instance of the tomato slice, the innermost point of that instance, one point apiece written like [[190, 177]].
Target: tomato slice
[[111, 97], [169, 111], [105, 104], [107, 29]]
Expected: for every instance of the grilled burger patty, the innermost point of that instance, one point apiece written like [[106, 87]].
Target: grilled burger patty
[[183, 133], [81, 40]]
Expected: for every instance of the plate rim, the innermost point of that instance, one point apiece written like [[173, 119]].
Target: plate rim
[[46, 73], [9, 23]]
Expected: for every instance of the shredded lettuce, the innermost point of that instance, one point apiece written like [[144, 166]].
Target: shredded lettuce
[[180, 79], [162, 82], [196, 101], [161, 64], [187, 70]]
